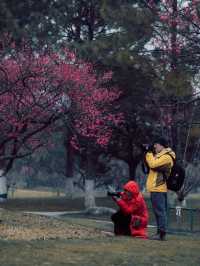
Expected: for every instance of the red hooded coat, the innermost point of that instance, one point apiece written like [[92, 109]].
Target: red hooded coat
[[136, 207]]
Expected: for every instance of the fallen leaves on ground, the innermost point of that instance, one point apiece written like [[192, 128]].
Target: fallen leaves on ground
[[21, 226]]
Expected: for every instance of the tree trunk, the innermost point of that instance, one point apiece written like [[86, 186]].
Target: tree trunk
[[133, 162], [3, 187], [89, 194], [69, 185], [89, 183]]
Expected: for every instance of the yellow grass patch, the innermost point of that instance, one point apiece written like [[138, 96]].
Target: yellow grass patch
[[20, 226], [27, 193]]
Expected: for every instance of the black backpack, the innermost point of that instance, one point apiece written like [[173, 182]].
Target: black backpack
[[176, 177]]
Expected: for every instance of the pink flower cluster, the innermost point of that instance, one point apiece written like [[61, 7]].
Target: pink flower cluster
[[33, 84]]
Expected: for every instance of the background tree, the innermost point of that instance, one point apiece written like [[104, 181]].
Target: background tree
[[173, 45], [112, 35], [151, 47], [38, 87], [29, 103]]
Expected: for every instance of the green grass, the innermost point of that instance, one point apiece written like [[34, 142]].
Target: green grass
[[97, 251], [119, 251]]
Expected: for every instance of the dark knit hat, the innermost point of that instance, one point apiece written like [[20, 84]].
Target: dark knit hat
[[162, 141]]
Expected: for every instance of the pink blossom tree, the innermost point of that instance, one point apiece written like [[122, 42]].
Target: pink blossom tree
[[29, 102], [94, 114], [38, 88]]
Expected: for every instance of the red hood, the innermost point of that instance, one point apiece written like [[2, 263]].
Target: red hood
[[132, 187]]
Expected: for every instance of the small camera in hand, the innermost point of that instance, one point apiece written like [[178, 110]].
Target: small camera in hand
[[114, 194], [147, 147]]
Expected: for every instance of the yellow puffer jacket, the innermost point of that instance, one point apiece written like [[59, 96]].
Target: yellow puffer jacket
[[160, 167]]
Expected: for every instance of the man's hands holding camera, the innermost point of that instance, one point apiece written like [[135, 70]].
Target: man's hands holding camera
[[147, 148], [114, 194]]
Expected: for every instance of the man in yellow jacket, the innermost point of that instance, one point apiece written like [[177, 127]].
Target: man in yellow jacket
[[160, 163]]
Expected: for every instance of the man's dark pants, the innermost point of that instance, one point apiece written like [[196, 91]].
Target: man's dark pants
[[121, 223], [159, 204]]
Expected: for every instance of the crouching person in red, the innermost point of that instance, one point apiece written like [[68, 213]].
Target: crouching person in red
[[132, 217]]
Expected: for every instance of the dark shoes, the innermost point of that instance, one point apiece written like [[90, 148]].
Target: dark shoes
[[159, 236]]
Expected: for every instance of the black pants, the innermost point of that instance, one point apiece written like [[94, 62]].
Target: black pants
[[121, 223]]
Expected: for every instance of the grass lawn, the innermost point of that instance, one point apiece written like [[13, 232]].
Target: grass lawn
[[99, 252], [27, 239], [32, 240]]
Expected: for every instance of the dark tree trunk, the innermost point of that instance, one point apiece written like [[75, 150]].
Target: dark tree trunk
[[133, 162]]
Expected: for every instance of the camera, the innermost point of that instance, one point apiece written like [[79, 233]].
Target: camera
[[147, 147], [114, 194]]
